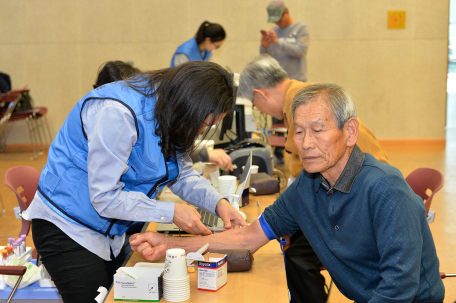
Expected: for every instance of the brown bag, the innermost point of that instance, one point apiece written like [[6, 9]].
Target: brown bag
[[238, 259], [263, 184]]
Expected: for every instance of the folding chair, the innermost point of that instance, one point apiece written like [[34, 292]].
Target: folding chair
[[37, 127], [425, 182], [23, 181]]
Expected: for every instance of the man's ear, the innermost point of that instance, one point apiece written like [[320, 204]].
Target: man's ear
[[352, 131], [260, 93]]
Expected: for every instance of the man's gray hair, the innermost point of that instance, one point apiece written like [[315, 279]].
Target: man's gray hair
[[339, 101], [261, 72]]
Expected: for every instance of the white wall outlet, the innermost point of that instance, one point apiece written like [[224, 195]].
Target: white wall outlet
[[17, 212]]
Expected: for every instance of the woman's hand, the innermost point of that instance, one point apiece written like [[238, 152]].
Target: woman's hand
[[220, 158], [150, 245], [230, 216], [188, 219]]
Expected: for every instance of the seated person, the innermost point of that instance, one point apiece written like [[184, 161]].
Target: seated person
[[364, 222], [271, 90]]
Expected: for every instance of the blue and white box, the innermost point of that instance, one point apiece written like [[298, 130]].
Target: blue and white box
[[212, 272]]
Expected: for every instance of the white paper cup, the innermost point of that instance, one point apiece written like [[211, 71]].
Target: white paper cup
[[176, 295], [254, 169], [175, 291], [227, 186], [176, 299], [183, 280], [175, 264], [176, 283], [168, 280], [180, 289], [172, 285]]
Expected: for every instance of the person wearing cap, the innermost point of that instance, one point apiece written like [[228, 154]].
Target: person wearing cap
[[286, 42]]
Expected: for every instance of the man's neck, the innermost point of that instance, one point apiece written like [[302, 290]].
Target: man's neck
[[288, 21]]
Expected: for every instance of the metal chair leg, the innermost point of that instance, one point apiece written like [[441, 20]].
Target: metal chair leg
[[32, 137], [3, 205], [37, 131]]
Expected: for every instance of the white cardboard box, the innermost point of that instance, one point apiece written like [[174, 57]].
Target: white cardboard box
[[148, 287], [212, 272]]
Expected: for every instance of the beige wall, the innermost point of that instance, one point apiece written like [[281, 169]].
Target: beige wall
[[397, 77]]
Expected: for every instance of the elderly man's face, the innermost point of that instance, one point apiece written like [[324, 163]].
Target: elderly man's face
[[321, 145], [267, 106]]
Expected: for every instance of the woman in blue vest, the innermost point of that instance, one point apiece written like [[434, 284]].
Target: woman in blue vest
[[118, 147], [112, 71], [210, 36]]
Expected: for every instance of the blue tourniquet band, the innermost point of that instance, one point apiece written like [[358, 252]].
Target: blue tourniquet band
[[270, 234], [268, 231]]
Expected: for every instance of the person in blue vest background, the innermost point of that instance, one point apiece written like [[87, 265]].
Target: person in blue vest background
[[118, 147], [210, 36]]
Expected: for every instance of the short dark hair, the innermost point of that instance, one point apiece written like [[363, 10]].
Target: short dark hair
[[111, 71], [186, 95], [213, 31]]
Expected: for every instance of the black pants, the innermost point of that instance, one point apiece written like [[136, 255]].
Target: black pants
[[76, 272], [305, 282]]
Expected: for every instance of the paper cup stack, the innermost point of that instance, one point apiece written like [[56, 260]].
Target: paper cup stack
[[176, 281], [227, 185]]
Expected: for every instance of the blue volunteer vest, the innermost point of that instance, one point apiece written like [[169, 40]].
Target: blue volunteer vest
[[191, 50], [63, 184]]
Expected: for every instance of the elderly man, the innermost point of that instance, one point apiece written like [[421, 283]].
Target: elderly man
[[363, 220], [267, 84]]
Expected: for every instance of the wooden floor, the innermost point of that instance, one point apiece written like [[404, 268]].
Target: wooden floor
[[404, 158]]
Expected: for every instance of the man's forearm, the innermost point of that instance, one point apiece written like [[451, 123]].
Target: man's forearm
[[153, 246], [251, 237]]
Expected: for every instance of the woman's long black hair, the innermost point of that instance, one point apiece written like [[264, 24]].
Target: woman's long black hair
[[186, 95], [213, 31]]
